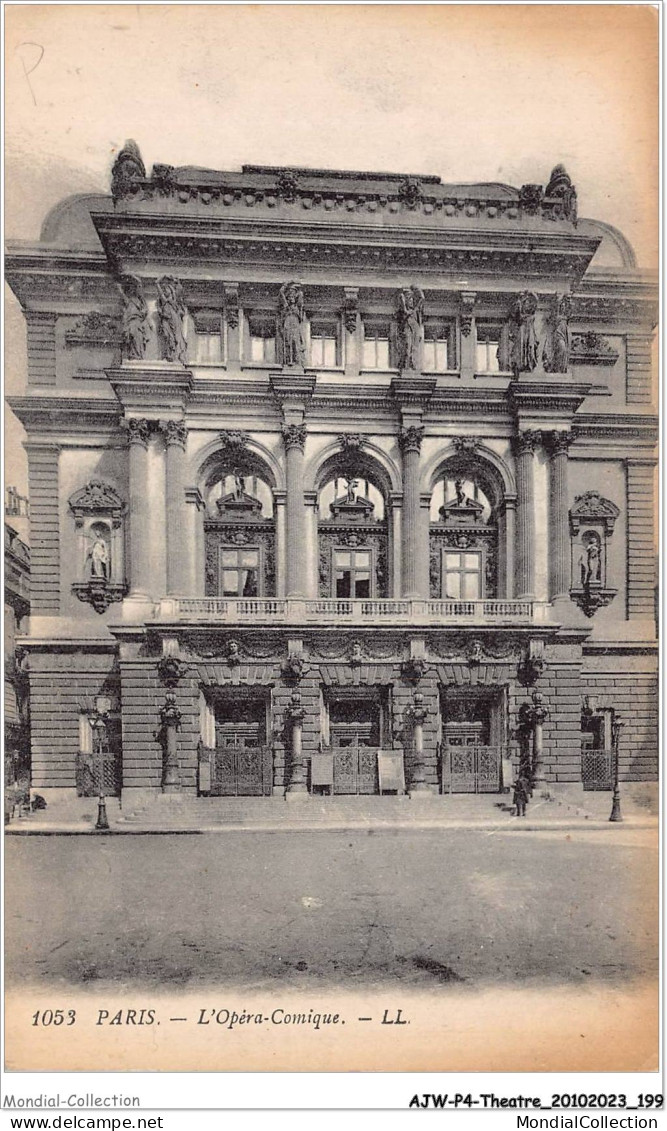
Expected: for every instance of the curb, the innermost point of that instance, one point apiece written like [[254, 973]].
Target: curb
[[582, 824]]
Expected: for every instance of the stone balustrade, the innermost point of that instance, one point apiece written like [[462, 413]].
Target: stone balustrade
[[320, 611]]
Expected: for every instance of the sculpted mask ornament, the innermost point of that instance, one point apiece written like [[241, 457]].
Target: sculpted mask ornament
[[233, 653], [171, 670], [294, 667], [287, 186], [410, 192]]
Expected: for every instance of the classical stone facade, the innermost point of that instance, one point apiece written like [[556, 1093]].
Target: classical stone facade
[[311, 514]]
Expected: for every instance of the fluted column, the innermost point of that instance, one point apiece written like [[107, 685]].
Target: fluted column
[[175, 434], [294, 437], [557, 444], [525, 444], [139, 432], [410, 440]]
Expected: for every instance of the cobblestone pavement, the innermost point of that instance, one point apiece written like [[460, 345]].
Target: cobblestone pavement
[[470, 907]]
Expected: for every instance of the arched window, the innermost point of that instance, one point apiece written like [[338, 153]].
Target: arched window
[[464, 532], [353, 536], [239, 529]]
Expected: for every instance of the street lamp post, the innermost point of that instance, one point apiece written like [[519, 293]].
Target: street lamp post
[[99, 723], [616, 728]]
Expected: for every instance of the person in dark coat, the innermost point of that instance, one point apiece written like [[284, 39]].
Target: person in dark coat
[[521, 794]]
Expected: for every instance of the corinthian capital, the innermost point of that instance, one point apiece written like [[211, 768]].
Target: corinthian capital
[[138, 431], [175, 432], [526, 442], [294, 436], [410, 438], [557, 443]]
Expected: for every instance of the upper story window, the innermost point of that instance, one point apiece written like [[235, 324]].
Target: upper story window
[[353, 572], [438, 350], [377, 345], [324, 344], [207, 337], [239, 571], [261, 338], [462, 575], [488, 340]]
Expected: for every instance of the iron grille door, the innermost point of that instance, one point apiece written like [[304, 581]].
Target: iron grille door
[[355, 769], [597, 769], [468, 768]]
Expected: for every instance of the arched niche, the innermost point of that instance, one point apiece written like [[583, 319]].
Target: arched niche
[[238, 486], [353, 491], [468, 532], [98, 513]]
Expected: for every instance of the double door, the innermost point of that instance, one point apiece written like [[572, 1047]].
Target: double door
[[242, 761]]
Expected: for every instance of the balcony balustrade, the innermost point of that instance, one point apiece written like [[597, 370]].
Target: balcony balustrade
[[332, 611]]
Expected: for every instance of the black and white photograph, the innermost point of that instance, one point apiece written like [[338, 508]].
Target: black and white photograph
[[331, 539]]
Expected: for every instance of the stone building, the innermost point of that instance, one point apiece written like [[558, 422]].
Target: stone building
[[340, 482], [17, 608]]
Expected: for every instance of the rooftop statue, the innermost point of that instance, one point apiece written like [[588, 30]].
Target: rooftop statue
[[127, 169]]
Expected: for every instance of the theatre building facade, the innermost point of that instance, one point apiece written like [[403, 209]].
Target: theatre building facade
[[340, 483]]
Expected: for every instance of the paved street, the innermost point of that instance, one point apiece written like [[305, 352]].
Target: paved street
[[470, 907]]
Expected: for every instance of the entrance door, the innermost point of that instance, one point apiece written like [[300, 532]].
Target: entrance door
[[242, 763], [469, 763], [355, 726]]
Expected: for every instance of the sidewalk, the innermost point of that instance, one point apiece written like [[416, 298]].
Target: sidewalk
[[191, 815]]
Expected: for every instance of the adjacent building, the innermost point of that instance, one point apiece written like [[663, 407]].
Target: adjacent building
[[341, 482]]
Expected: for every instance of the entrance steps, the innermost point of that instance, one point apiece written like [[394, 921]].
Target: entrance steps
[[291, 811]]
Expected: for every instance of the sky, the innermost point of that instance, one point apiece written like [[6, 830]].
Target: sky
[[469, 92]]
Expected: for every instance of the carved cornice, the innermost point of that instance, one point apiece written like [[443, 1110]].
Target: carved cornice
[[229, 240]]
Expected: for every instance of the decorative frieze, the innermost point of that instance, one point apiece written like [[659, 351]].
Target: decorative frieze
[[95, 329]]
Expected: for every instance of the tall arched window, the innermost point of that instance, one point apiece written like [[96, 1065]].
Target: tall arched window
[[239, 529], [464, 534], [352, 532]]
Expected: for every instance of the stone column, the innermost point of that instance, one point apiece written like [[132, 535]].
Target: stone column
[[294, 437], [175, 434], [525, 444], [195, 580], [417, 714], [395, 506], [279, 500], [539, 716], [559, 533], [139, 432], [295, 715], [170, 717], [410, 440], [311, 545], [506, 542]]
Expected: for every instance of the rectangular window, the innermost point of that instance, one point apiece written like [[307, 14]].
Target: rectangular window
[[207, 337], [239, 571], [324, 347], [353, 573], [488, 340], [376, 353], [261, 339], [438, 353], [462, 575]]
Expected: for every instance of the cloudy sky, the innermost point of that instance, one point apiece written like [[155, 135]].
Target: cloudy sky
[[474, 92]]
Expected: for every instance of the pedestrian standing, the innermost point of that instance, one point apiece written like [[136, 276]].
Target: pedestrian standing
[[521, 794]]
